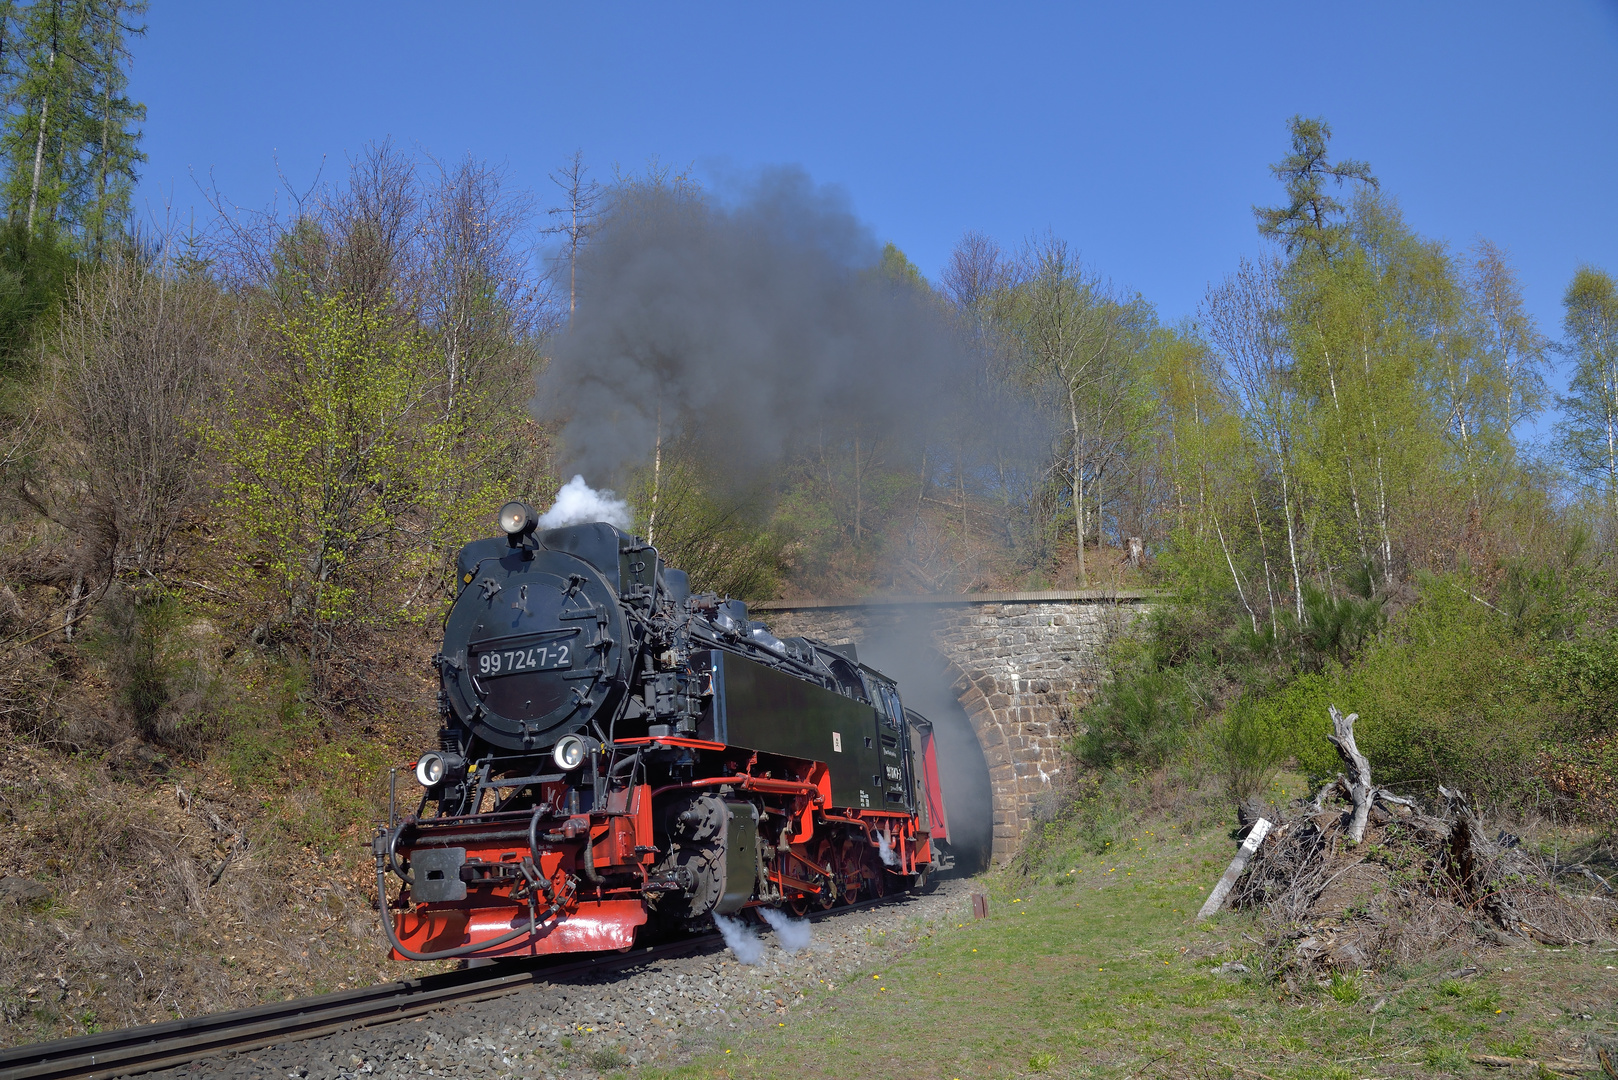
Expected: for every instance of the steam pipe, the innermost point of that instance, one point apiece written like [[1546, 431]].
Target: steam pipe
[[587, 860]]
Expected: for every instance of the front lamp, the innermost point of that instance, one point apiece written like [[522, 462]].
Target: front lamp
[[434, 768], [430, 769], [569, 753], [517, 518]]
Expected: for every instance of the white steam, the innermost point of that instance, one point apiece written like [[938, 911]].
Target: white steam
[[792, 934], [741, 939], [885, 849], [578, 503]]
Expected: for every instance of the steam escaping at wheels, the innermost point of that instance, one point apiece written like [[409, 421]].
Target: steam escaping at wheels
[[740, 939], [793, 935], [618, 753]]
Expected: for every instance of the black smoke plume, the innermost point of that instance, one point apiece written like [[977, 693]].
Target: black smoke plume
[[745, 330]]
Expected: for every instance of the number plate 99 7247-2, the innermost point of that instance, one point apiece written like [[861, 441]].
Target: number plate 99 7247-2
[[546, 657]]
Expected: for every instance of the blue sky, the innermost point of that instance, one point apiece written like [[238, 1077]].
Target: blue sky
[[1139, 132]]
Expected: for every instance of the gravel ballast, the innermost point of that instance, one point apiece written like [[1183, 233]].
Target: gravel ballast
[[593, 1023]]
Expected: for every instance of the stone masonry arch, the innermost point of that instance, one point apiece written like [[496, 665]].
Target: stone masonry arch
[[1018, 663]]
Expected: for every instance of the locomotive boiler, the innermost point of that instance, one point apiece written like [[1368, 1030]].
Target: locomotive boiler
[[618, 752]]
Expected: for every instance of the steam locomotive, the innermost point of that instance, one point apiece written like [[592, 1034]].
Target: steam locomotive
[[618, 753]]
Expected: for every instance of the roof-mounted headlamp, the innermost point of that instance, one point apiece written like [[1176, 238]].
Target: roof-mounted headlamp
[[517, 519]]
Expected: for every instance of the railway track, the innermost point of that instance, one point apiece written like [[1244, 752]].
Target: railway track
[[149, 1047]]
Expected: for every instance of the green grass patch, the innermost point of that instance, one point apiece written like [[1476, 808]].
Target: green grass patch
[[1099, 971]]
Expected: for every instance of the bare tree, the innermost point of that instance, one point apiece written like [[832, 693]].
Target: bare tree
[[974, 271], [575, 218], [1243, 317], [1509, 332], [1077, 339], [136, 364]]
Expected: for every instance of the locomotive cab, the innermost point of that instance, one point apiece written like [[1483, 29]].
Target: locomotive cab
[[617, 751]]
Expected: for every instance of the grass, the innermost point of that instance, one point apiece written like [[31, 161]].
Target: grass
[[1099, 971]]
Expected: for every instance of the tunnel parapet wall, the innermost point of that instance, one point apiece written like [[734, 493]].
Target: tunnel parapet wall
[[1021, 664]]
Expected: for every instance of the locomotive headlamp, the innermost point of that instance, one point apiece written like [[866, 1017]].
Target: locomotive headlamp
[[434, 768], [569, 753], [431, 769], [517, 518]]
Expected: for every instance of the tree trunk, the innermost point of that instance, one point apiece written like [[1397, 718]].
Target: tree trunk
[[1292, 547], [1264, 552], [1241, 592], [657, 476], [1381, 479], [39, 155], [1078, 481], [1360, 788], [1342, 438]]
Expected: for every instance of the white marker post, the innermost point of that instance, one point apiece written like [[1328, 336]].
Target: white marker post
[[1216, 899]]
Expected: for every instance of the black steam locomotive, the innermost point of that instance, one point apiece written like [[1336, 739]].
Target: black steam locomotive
[[617, 751]]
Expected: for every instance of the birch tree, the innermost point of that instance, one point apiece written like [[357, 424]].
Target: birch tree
[[1588, 433]]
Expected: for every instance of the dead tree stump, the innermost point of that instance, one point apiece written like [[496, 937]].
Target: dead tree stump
[[1358, 779]]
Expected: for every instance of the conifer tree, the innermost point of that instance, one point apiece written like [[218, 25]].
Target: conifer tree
[[1311, 217], [70, 142]]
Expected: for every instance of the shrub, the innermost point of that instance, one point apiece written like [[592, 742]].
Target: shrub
[[1142, 717], [1444, 697]]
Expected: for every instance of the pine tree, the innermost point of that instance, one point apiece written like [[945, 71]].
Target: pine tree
[[1312, 218], [71, 134]]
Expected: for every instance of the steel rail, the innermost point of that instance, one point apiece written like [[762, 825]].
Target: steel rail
[[149, 1047]]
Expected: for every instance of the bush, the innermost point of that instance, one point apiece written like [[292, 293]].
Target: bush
[[140, 638], [1445, 698], [1141, 718], [1255, 740], [34, 271]]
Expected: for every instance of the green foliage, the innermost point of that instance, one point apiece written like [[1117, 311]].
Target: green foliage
[[329, 462], [1335, 628], [897, 267], [1141, 717], [70, 137], [1337, 438], [1344, 989], [1311, 216], [1444, 699], [319, 779], [723, 539], [128, 637], [140, 637], [1255, 740], [1586, 433], [34, 269], [1581, 676]]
